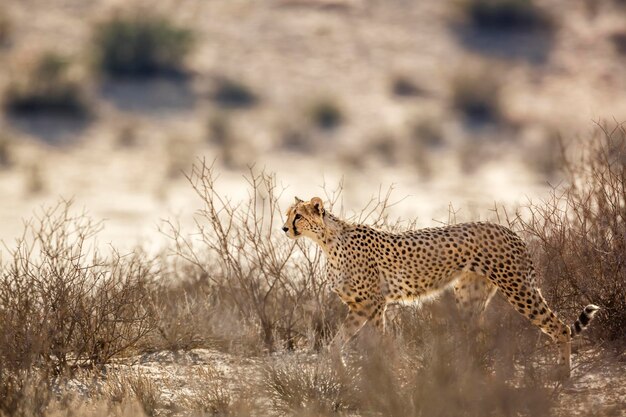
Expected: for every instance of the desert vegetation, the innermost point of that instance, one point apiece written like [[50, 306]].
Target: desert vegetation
[[51, 83], [325, 113], [505, 15], [141, 43], [213, 115], [72, 316], [5, 27], [476, 94], [233, 94], [579, 234]]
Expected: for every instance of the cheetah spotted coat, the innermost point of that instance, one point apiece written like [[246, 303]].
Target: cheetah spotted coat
[[370, 268]]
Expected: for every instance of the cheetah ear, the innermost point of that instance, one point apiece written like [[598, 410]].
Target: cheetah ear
[[298, 201], [318, 205]]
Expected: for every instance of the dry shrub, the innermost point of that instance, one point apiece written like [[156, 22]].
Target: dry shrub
[[253, 273], [33, 394], [312, 389], [34, 181], [260, 285], [187, 313], [444, 371], [221, 133], [578, 234], [63, 304], [29, 394]]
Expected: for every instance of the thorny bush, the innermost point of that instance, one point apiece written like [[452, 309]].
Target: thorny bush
[[578, 234], [266, 280], [63, 305]]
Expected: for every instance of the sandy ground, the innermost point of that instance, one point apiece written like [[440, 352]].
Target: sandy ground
[[597, 388]]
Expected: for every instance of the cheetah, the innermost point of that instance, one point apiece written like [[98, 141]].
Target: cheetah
[[370, 268]]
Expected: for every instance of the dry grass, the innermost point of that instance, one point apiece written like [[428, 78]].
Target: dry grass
[[448, 373], [132, 388], [237, 284], [212, 398], [321, 388]]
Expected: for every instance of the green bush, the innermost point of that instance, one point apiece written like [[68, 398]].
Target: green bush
[[233, 94], [505, 14], [141, 45], [48, 86], [404, 86], [476, 94], [6, 145], [326, 114], [5, 27], [619, 42]]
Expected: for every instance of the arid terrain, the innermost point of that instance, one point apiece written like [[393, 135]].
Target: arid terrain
[[172, 121]]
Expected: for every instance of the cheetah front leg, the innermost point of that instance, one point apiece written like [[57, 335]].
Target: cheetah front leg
[[358, 315], [378, 317], [354, 321]]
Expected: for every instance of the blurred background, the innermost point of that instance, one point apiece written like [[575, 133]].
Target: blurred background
[[458, 103]]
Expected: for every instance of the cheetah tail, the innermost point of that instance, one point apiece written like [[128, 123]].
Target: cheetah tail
[[584, 319]]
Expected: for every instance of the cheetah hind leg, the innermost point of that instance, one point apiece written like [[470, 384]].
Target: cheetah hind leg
[[473, 293], [530, 303]]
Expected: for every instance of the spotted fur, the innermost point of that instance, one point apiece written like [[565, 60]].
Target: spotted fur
[[370, 268]]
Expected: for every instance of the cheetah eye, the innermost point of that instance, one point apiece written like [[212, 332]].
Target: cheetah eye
[[298, 216]]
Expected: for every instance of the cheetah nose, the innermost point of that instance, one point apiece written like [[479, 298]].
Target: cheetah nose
[[285, 229]]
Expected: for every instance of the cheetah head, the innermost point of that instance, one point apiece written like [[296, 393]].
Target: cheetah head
[[305, 218]]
